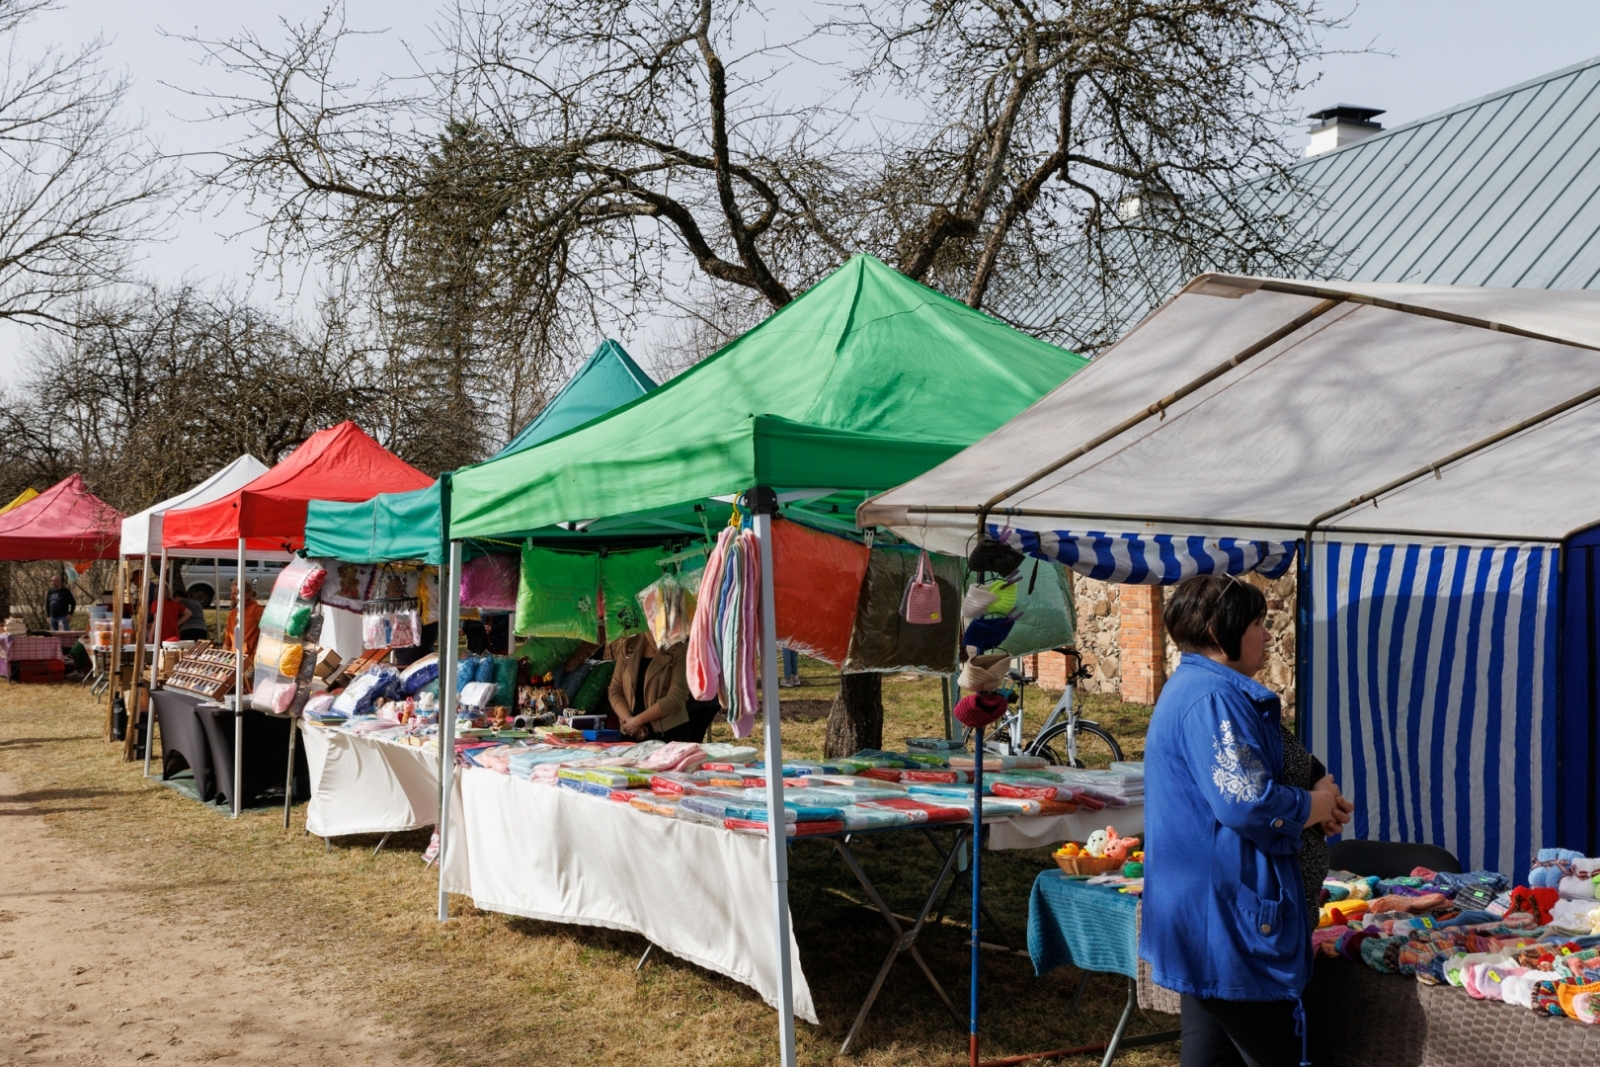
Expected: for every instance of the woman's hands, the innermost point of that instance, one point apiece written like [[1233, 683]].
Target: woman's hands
[[632, 726], [1330, 811]]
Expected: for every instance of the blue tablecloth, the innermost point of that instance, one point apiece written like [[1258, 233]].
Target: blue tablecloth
[[1091, 927]]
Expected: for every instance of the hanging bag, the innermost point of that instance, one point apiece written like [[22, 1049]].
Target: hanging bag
[[921, 606]]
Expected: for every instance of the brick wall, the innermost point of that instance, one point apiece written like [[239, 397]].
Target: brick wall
[[1141, 642], [1105, 646]]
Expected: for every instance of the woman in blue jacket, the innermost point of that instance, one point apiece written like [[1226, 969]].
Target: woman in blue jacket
[[1226, 922]]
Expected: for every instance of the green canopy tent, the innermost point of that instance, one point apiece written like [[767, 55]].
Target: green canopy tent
[[863, 382], [410, 526]]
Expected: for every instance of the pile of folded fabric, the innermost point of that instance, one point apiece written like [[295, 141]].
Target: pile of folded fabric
[[725, 785]]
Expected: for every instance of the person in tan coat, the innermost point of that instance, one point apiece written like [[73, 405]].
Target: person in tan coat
[[649, 692], [649, 688]]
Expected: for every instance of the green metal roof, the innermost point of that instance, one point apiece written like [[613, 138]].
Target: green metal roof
[[1502, 191]]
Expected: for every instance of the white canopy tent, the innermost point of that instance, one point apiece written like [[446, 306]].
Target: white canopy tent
[[141, 536], [1432, 444], [141, 533]]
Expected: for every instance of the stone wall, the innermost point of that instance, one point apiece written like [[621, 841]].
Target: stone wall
[[1100, 644]]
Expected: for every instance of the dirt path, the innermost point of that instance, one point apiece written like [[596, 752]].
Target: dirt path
[[88, 981]]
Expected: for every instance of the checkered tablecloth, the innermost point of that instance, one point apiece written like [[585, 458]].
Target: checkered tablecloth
[[15, 649]]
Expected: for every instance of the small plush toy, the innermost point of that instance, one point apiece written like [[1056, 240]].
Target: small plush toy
[[1096, 845], [1070, 850], [1118, 848]]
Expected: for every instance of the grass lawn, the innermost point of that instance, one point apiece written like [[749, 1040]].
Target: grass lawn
[[488, 988]]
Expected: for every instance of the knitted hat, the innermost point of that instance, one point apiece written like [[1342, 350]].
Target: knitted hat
[[993, 556], [985, 674], [978, 710]]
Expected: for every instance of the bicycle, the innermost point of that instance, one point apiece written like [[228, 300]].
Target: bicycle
[[1066, 739]]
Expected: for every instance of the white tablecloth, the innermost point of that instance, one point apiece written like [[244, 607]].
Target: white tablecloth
[[360, 785], [699, 892], [1042, 830]]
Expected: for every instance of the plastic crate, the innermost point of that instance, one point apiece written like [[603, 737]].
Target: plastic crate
[[41, 671]]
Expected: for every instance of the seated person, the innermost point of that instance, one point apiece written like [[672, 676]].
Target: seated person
[[649, 692], [193, 627]]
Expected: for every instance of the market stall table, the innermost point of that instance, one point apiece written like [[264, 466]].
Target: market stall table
[[555, 854], [1096, 929], [183, 740], [18, 649], [265, 739], [368, 785]]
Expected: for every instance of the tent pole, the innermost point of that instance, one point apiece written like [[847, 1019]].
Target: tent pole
[[150, 722], [216, 597], [764, 502], [141, 636], [238, 685], [449, 640], [114, 660]]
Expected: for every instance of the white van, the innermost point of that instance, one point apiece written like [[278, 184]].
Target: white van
[[207, 581]]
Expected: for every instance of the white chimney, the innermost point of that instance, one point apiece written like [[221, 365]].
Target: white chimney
[[1340, 125]]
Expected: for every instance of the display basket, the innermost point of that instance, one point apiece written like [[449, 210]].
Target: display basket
[[1088, 864]]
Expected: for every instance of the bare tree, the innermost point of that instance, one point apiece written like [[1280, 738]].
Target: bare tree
[[78, 188], [153, 390], [1133, 132]]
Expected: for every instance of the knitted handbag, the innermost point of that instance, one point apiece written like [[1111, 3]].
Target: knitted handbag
[[921, 606]]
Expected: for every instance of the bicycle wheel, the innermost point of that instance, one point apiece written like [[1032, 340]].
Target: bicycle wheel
[[1096, 748]]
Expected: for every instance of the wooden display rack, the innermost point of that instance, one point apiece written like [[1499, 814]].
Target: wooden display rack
[[205, 671]]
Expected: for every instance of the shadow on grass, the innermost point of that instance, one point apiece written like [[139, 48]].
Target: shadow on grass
[[40, 742], [40, 795]]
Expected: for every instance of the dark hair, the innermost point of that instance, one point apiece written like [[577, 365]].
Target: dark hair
[[1212, 611]]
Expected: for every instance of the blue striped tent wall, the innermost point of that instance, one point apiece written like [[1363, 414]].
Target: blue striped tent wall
[[1432, 694], [1152, 559]]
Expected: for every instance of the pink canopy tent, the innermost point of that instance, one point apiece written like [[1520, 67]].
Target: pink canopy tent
[[66, 521]]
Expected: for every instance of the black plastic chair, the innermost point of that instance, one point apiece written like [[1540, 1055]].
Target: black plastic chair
[[1390, 859]]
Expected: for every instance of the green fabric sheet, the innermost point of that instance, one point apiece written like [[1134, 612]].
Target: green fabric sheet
[[557, 593], [865, 381], [622, 576]]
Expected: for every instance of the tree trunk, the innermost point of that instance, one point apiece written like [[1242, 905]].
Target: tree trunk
[[856, 720]]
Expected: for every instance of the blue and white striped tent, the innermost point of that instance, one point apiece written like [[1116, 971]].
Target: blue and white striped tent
[[1432, 444]]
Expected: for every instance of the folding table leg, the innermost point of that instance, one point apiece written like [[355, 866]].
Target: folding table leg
[[905, 940], [384, 840], [955, 884], [637, 967], [1122, 1023]]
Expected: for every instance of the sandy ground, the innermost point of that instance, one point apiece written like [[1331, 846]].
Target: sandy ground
[[89, 979]]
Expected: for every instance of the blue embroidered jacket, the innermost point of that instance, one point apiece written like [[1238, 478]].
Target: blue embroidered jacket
[[1224, 906]]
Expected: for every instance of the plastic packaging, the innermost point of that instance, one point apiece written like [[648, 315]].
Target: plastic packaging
[[360, 696], [881, 640], [417, 676], [816, 584], [289, 623], [490, 582]]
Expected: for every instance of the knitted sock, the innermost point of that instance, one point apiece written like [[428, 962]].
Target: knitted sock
[[1566, 994]]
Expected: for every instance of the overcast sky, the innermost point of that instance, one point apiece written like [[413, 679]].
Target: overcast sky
[[1442, 52]]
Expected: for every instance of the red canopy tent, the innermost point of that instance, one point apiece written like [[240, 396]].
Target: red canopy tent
[[66, 521], [269, 514]]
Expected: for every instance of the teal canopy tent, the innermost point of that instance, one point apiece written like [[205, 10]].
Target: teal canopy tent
[[409, 526]]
